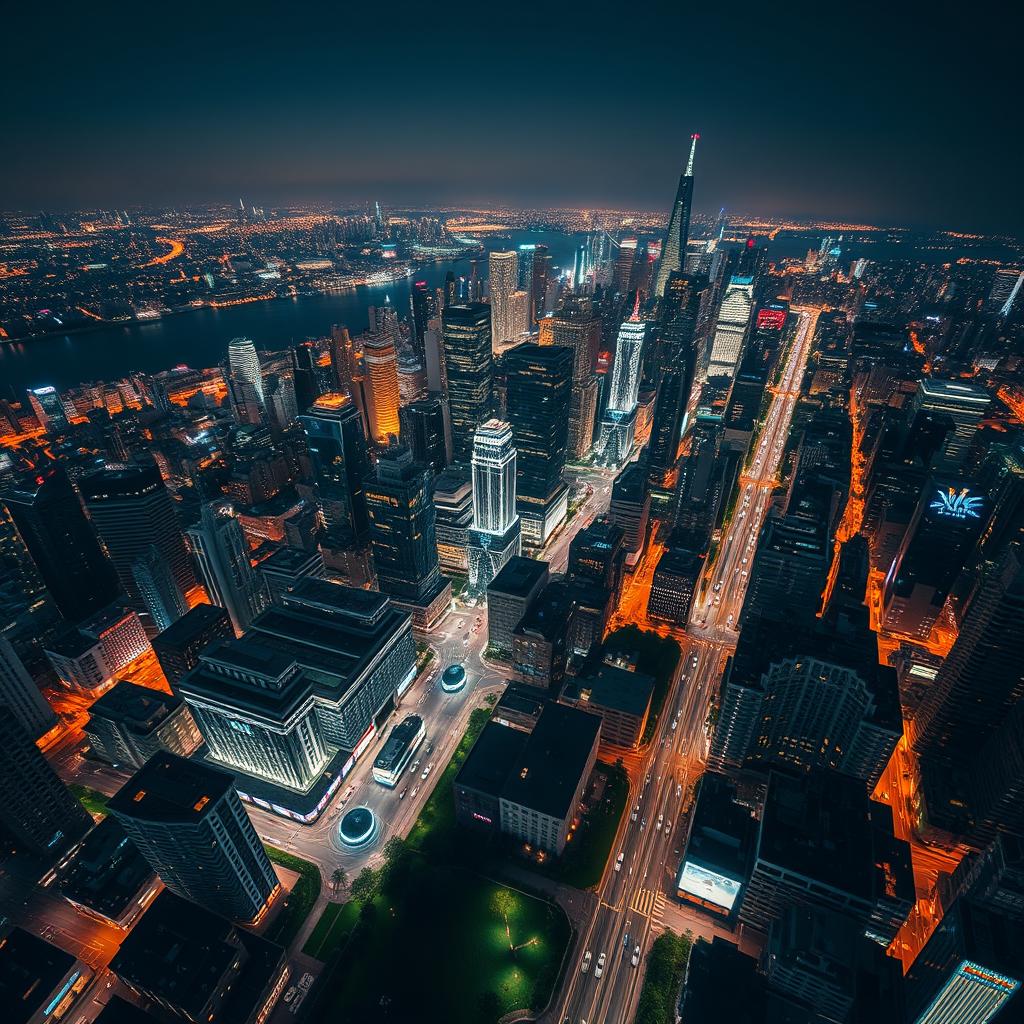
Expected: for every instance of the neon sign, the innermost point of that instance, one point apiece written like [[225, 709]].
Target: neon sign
[[952, 504]]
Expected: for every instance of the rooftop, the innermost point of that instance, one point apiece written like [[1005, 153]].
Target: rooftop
[[30, 970], [137, 708], [550, 612], [194, 623], [492, 759], [619, 690], [518, 576], [171, 788]]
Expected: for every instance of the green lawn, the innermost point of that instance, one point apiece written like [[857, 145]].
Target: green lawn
[[584, 859], [94, 802], [665, 965], [658, 658], [300, 900], [431, 946], [331, 930]]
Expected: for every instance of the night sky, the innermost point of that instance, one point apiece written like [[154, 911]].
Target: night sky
[[892, 113]]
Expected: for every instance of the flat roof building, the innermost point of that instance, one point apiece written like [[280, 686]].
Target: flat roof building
[[621, 698], [178, 647], [509, 595]]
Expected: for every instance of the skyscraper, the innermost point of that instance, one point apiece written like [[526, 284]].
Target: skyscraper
[[578, 327], [469, 365], [423, 431], [187, 821], [731, 328], [381, 363], [503, 269], [673, 252], [244, 365], [538, 390], [423, 309], [222, 556], [308, 375], [495, 536], [38, 811], [132, 511], [960, 407], [20, 693], [48, 513], [49, 409], [618, 426], [337, 449], [160, 593], [401, 509], [525, 277]]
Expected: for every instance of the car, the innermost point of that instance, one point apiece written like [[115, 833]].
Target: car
[[643, 821], [675, 722], [425, 772], [414, 766], [636, 811], [585, 965], [718, 586], [306, 981], [661, 818], [635, 959], [668, 826], [647, 781], [415, 790], [599, 969], [401, 796], [693, 661], [618, 861], [679, 789], [290, 994]]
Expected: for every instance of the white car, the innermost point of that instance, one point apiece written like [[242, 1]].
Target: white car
[[636, 811], [635, 960], [693, 661], [585, 966], [618, 861], [675, 722], [661, 818], [599, 969]]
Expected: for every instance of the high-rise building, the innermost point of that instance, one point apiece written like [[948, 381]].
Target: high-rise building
[[525, 278], [469, 367], [959, 406], [49, 409], [222, 557], [282, 407], [618, 427], [290, 702], [179, 646], [187, 821], [495, 535], [244, 365], [423, 309], [38, 811], [503, 271], [970, 970], [133, 511], [48, 514], [537, 396], [337, 450], [20, 693], [578, 327], [453, 508], [673, 252], [1007, 293], [509, 596], [381, 363], [423, 431], [286, 566], [731, 327], [937, 545], [343, 360], [160, 593], [308, 375], [401, 508], [630, 509]]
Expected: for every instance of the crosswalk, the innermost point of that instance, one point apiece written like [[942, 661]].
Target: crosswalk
[[650, 903]]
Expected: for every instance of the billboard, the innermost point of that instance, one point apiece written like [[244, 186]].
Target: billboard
[[771, 318], [709, 886]]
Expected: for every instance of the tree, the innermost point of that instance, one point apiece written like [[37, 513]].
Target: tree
[[339, 879], [365, 886], [393, 849]]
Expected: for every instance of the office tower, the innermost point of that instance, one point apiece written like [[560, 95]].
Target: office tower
[[968, 717], [1007, 288], [49, 409], [381, 364], [822, 842], [618, 426], [343, 360], [525, 277], [187, 821], [509, 596], [469, 367], [667, 427], [495, 535], [630, 509], [576, 326], [673, 252], [48, 514], [597, 556], [401, 509], [308, 376], [282, 407], [539, 284], [423, 309], [993, 878], [131, 723], [537, 397], [90, 656], [133, 511], [286, 566], [179, 646], [222, 557], [811, 696], [423, 431], [624, 262], [161, 596], [790, 567], [38, 811], [673, 585], [437, 371], [453, 517], [337, 450], [503, 271], [969, 970], [244, 365], [936, 547], [289, 703], [244, 401], [19, 692], [960, 408], [540, 642], [731, 327]]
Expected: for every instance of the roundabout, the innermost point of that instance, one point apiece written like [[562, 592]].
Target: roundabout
[[358, 828], [453, 679]]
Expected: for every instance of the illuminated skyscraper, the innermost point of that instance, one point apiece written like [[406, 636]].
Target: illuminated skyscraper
[[423, 309], [244, 365], [673, 252], [731, 328], [578, 327], [381, 364], [619, 424], [503, 268], [469, 366], [158, 589], [49, 409], [495, 536], [961, 406], [526, 273]]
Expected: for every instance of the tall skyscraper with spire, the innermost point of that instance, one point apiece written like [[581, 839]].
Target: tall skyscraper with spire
[[673, 252], [619, 424]]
